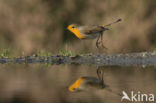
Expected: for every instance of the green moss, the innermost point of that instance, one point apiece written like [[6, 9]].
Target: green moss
[[65, 53], [47, 57], [43, 54], [5, 53]]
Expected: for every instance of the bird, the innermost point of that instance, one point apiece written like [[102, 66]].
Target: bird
[[86, 83], [85, 32], [89, 83]]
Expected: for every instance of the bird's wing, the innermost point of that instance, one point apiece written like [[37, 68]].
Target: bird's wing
[[89, 30], [94, 82]]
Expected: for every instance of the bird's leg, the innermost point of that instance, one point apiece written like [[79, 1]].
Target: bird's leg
[[100, 74], [97, 42], [102, 41]]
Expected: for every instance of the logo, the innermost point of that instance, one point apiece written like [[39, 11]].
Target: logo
[[138, 96]]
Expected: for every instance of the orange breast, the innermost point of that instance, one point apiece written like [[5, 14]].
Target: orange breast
[[77, 33], [76, 84]]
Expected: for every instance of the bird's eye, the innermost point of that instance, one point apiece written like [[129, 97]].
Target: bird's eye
[[73, 27]]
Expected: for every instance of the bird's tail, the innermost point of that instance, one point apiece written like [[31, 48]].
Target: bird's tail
[[112, 23]]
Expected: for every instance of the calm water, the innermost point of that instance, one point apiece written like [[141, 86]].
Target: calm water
[[41, 84]]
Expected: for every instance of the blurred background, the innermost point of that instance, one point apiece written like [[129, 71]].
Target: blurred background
[[28, 26]]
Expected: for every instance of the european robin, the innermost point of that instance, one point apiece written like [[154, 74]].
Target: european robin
[[90, 31], [85, 84], [90, 83]]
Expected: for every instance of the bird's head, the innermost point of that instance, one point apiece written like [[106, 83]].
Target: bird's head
[[72, 27]]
